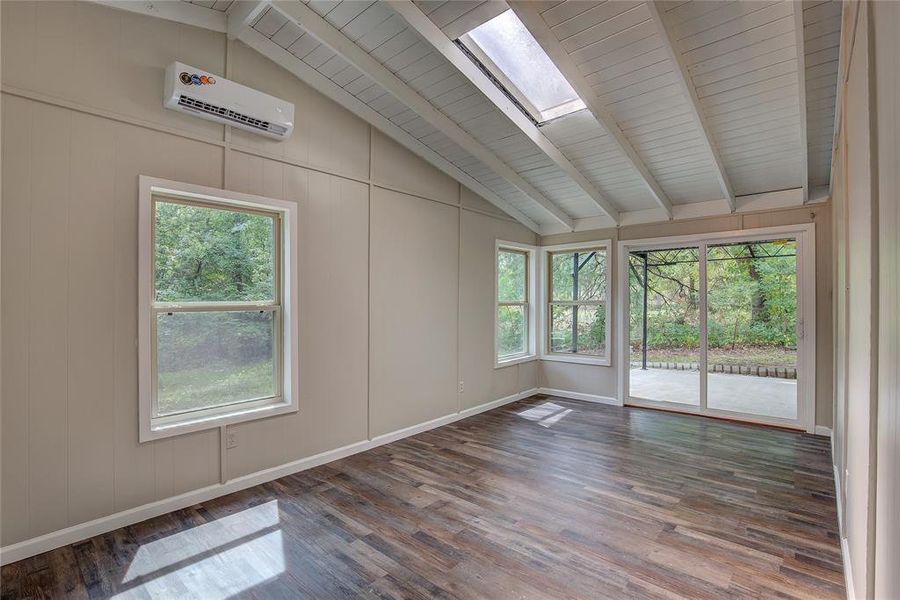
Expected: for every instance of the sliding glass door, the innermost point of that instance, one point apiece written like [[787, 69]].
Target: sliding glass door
[[664, 297], [715, 326], [751, 322]]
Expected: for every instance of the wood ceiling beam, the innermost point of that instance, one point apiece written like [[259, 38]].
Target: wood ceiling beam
[[688, 90], [180, 12], [241, 14], [327, 34], [477, 16], [420, 22], [325, 86], [848, 34], [801, 79], [528, 13]]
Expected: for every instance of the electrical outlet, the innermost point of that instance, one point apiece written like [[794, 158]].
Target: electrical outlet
[[231, 440], [462, 386]]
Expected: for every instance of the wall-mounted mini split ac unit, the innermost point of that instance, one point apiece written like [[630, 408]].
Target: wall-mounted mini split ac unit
[[196, 92]]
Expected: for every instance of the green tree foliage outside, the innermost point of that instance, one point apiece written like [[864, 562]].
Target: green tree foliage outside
[[752, 304], [213, 255], [512, 278], [511, 331], [210, 255], [578, 302]]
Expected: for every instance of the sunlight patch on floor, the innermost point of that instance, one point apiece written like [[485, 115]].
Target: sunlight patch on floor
[[213, 560], [546, 414], [552, 419]]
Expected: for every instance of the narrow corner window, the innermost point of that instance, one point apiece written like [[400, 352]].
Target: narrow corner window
[[578, 303], [217, 319], [514, 317], [516, 62]]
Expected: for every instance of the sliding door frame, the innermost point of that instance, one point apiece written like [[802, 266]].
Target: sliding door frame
[[806, 320]]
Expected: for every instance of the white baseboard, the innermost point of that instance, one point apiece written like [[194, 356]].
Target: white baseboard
[[837, 497], [579, 396], [393, 436], [83, 531], [823, 431], [845, 549], [848, 572]]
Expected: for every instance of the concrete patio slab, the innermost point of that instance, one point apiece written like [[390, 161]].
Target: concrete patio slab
[[763, 396]]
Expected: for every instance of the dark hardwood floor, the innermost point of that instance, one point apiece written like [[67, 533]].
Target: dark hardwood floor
[[544, 498]]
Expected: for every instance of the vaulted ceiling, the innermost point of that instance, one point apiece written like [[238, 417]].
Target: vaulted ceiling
[[694, 108]]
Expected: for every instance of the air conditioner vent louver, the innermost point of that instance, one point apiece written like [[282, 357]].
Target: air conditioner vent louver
[[230, 115]]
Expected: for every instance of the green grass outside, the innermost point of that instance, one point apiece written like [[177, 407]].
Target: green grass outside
[[190, 389]]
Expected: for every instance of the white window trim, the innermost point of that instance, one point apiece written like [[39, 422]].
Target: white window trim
[[545, 354], [531, 295], [152, 429]]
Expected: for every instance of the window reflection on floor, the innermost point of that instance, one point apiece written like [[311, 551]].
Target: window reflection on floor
[[214, 560], [546, 414]]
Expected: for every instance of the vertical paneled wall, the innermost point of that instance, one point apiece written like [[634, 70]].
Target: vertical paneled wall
[[384, 336], [867, 279], [886, 23], [861, 244]]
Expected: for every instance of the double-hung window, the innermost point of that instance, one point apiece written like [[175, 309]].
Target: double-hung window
[[577, 308], [217, 312], [514, 317]]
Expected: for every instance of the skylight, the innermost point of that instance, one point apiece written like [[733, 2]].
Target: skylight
[[508, 50]]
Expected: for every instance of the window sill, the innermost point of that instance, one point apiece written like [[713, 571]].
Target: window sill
[[213, 421], [601, 361], [517, 360]]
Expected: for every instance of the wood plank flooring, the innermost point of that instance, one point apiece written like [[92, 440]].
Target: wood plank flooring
[[543, 498]]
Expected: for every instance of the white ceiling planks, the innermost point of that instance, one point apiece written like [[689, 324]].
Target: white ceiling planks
[[593, 152], [555, 175], [619, 51], [689, 101], [530, 14], [460, 16], [742, 57], [407, 65], [801, 97], [822, 36], [683, 79]]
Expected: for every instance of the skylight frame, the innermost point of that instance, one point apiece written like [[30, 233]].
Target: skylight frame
[[481, 58]]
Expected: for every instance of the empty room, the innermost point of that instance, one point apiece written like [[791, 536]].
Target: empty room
[[450, 299]]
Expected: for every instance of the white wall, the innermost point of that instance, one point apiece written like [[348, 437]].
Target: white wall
[[887, 76], [867, 331], [386, 330], [414, 302], [861, 252]]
